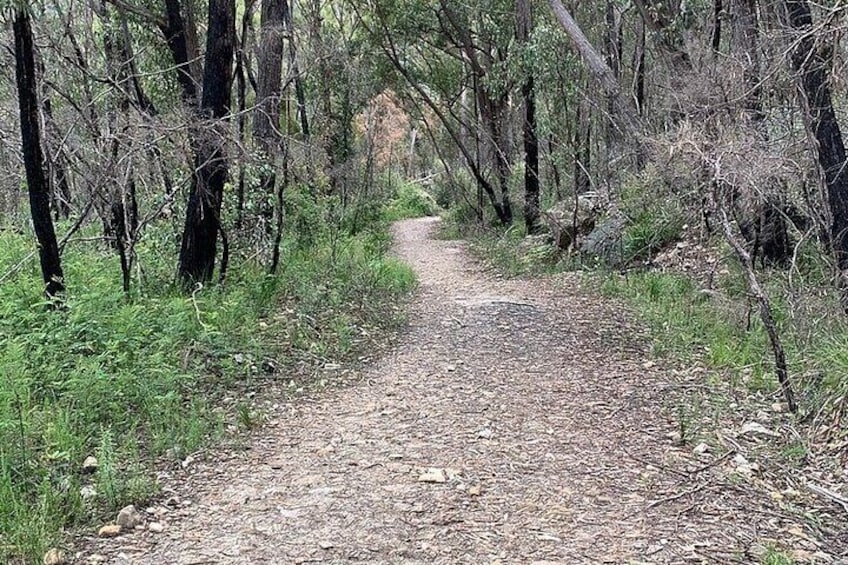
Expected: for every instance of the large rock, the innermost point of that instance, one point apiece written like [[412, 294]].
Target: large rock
[[128, 518], [568, 220], [606, 241]]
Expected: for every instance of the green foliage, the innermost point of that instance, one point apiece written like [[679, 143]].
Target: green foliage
[[723, 329], [687, 324], [774, 556], [655, 216], [410, 201], [133, 379], [513, 254]]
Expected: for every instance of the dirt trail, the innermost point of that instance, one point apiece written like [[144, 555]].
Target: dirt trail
[[534, 399]]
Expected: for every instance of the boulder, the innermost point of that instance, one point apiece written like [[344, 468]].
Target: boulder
[[606, 241], [567, 220]]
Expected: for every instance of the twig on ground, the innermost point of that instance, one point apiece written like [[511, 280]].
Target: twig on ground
[[671, 498], [829, 494]]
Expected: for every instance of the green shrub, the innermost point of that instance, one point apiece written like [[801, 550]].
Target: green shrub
[[410, 201], [655, 215]]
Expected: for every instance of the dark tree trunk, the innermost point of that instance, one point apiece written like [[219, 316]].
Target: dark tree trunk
[[176, 38], [299, 90], [718, 15], [582, 148], [811, 65], [639, 71], [241, 96], [524, 27], [203, 213], [37, 184]]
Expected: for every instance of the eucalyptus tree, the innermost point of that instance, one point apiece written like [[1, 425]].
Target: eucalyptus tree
[[524, 28], [198, 249], [443, 52], [811, 63], [38, 186]]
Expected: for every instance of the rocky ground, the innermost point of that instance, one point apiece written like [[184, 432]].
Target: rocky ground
[[516, 421]]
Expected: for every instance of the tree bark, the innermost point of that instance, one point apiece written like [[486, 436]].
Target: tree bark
[[624, 115], [299, 90], [266, 119], [524, 27], [747, 44], [176, 37], [718, 16], [811, 66], [203, 213], [37, 185]]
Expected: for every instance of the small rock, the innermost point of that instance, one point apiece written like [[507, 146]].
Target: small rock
[[701, 449], [109, 531], [90, 465], [450, 368], [325, 545], [755, 428], [474, 490], [433, 475], [88, 492], [745, 467], [779, 407], [128, 518], [54, 557], [156, 527]]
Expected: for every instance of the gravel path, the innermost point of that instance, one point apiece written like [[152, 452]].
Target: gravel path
[[516, 421]]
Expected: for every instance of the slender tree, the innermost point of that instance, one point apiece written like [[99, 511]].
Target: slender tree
[[266, 119], [524, 27], [811, 65], [38, 186]]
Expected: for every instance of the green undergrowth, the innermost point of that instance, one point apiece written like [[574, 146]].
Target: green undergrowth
[[508, 251], [135, 380], [409, 201], [723, 328]]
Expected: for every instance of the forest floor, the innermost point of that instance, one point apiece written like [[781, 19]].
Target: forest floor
[[514, 421]]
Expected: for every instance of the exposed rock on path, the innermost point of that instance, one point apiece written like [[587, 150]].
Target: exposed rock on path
[[516, 422]]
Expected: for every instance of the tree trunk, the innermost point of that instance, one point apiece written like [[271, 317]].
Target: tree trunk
[[718, 16], [175, 34], [747, 44], [811, 65], [203, 212], [241, 97], [639, 71], [266, 118], [299, 90], [37, 184], [582, 147], [524, 27], [624, 115]]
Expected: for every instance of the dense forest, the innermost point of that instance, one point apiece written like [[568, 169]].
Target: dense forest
[[195, 197]]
